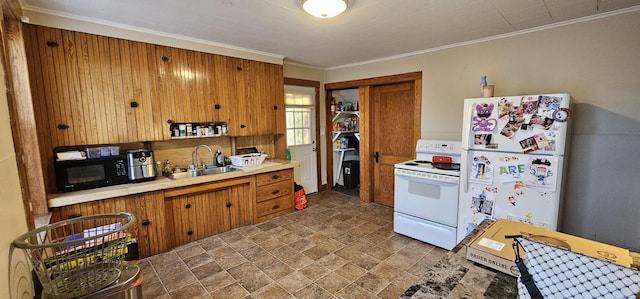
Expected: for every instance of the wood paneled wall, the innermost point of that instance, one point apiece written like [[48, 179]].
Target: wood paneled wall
[[91, 90]]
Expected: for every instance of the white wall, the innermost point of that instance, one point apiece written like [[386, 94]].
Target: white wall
[[598, 63], [15, 278]]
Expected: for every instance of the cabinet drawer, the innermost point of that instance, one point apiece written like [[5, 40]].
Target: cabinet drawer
[[271, 177], [274, 190], [283, 203]]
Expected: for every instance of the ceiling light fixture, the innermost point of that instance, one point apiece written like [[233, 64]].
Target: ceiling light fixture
[[324, 8]]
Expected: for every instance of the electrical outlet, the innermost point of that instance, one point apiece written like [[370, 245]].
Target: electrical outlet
[[534, 223], [542, 225]]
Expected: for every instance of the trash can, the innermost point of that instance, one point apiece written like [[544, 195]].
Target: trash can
[[351, 173]]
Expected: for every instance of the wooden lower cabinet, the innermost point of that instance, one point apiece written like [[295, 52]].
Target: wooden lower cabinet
[[274, 194], [149, 228], [174, 217], [199, 211]]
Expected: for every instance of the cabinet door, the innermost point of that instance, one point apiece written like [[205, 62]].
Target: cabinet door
[[275, 94], [243, 115], [258, 92], [149, 229], [240, 206], [181, 228]]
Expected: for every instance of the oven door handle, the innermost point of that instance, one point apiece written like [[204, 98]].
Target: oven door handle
[[430, 181]]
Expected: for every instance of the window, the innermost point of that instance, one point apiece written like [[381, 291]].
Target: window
[[299, 109]]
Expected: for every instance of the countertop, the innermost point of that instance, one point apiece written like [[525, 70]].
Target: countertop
[[161, 183]]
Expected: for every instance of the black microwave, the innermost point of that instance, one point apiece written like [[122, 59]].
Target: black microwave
[[73, 175]]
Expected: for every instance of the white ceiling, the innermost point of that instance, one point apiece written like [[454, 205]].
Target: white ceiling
[[368, 30]]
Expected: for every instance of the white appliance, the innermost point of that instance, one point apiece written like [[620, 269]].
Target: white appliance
[[513, 151], [426, 193]]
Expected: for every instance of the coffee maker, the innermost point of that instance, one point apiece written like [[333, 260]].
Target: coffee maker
[[141, 165]]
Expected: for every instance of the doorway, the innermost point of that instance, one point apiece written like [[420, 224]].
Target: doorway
[[390, 109], [301, 103]]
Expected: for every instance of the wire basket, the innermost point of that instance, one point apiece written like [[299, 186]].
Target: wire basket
[[78, 256]]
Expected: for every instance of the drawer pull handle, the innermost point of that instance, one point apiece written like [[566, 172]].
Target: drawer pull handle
[[228, 205], [275, 192], [275, 177], [146, 222], [275, 207], [188, 206], [189, 233]]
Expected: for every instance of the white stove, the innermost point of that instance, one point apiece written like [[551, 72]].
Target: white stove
[[426, 193]]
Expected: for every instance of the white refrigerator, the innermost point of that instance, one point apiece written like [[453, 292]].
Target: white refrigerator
[[513, 154]]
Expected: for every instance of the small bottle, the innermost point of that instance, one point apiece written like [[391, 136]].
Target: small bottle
[[219, 158], [288, 153], [167, 168], [189, 130]]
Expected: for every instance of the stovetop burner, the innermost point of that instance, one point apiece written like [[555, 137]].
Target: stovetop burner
[[447, 166], [411, 164]]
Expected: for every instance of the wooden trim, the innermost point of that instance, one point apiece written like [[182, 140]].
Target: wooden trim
[[23, 120], [316, 85], [374, 81], [11, 10]]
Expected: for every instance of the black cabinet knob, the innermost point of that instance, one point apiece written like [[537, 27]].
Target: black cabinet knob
[[169, 121], [146, 222], [275, 207], [134, 104], [275, 107], [228, 204], [63, 126], [216, 106], [52, 44], [74, 215], [165, 58], [275, 192], [189, 233], [188, 206], [243, 126], [275, 177]]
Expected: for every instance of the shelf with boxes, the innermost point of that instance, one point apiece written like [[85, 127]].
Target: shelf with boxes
[[198, 129]]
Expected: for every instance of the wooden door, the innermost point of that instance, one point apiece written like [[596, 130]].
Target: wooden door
[[396, 110]]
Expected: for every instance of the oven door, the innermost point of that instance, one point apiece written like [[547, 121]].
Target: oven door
[[430, 199]]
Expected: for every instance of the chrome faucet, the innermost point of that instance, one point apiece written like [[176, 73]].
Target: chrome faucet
[[194, 156]]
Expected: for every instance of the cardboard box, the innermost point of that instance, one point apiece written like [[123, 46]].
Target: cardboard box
[[492, 249]]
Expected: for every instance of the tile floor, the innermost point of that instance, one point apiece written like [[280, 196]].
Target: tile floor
[[339, 247]]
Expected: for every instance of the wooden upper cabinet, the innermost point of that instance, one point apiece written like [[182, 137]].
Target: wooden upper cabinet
[[190, 86], [257, 91], [86, 89], [91, 89]]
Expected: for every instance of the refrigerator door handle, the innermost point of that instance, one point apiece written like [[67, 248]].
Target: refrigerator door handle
[[464, 170]]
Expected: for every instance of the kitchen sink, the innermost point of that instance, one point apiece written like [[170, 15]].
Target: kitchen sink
[[218, 170], [201, 172]]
